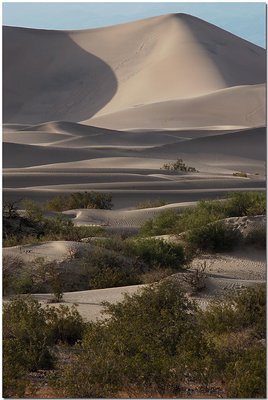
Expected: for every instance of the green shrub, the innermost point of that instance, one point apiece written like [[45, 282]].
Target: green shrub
[[214, 237], [65, 324], [178, 165], [29, 332], [80, 200], [23, 283], [236, 205], [240, 311], [246, 376], [240, 174], [15, 380], [156, 341], [151, 204], [112, 277], [107, 269], [147, 343], [162, 224], [257, 237], [24, 326], [157, 253], [33, 210], [156, 275], [246, 203]]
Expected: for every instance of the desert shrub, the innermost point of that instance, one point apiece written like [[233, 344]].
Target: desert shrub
[[80, 200], [115, 243], [24, 326], [199, 216], [56, 228], [10, 209], [16, 240], [15, 380], [46, 275], [156, 275], [11, 266], [157, 253], [112, 277], [214, 237], [64, 324], [243, 310], [162, 224], [246, 203], [107, 269], [60, 228], [206, 211], [157, 341], [147, 343], [33, 211], [150, 204], [256, 237], [232, 328], [29, 333], [246, 376], [178, 165], [240, 174], [23, 283]]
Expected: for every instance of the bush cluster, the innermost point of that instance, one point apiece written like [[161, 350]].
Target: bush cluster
[[214, 237], [29, 331], [240, 174], [108, 269], [157, 342], [150, 204], [54, 228], [204, 231], [178, 165], [80, 200]]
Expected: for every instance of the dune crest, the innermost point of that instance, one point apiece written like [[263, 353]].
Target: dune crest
[[75, 75]]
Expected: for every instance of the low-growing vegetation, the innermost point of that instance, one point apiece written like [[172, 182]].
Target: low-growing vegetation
[[80, 200], [27, 231], [178, 165], [240, 174], [202, 223], [29, 333], [257, 237], [214, 237], [150, 204], [157, 342]]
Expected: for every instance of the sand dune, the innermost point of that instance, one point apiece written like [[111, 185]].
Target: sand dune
[[75, 75], [248, 144], [173, 84], [231, 108], [226, 273]]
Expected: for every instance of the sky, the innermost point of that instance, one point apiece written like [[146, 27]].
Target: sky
[[245, 19]]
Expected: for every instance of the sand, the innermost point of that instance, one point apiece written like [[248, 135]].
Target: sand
[[225, 273]]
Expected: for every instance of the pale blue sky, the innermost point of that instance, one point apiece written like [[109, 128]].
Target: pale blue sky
[[246, 20]]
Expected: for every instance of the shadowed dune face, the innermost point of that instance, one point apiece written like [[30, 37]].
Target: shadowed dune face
[[46, 77], [173, 57], [75, 75]]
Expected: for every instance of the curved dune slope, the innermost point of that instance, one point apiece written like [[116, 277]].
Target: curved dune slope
[[72, 76], [231, 108]]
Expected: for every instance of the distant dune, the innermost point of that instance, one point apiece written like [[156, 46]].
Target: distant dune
[[139, 67]]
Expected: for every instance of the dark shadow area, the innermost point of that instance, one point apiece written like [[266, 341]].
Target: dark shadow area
[[48, 77], [249, 143]]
